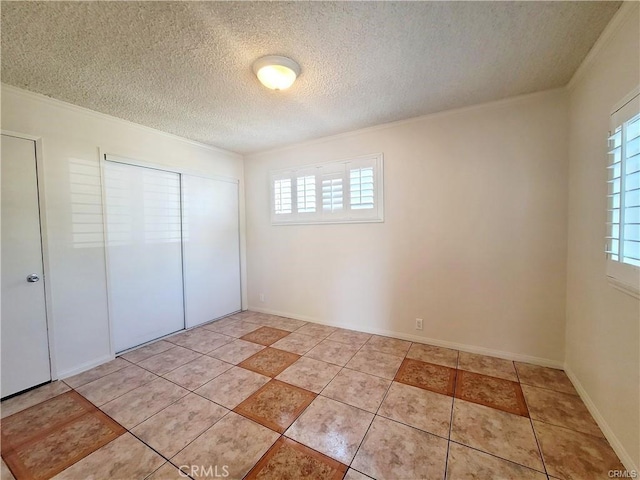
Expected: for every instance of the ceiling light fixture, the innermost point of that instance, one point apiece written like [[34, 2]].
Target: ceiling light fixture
[[275, 72]]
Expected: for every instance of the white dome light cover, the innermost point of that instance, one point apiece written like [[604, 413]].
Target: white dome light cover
[[276, 72]]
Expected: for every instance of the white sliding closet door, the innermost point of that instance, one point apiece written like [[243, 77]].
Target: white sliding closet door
[[144, 253], [211, 248]]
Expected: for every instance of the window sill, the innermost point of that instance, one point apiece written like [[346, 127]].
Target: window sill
[[632, 290]]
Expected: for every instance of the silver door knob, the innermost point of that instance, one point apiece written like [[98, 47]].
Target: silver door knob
[[33, 278]]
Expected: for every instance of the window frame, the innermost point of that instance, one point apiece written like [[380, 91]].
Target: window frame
[[338, 169], [620, 275]]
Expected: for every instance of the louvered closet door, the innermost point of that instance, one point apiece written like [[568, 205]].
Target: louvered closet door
[[211, 248], [144, 248]]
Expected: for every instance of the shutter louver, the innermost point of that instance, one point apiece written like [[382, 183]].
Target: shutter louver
[[361, 188], [332, 194], [282, 196], [306, 190]]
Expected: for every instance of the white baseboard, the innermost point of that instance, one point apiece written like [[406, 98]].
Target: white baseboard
[[617, 446], [416, 338], [84, 367]]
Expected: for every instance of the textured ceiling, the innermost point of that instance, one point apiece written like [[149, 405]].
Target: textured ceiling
[[185, 67]]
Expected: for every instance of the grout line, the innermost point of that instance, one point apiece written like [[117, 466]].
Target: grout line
[[498, 457]]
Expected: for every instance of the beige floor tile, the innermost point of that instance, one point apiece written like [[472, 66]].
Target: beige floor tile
[[200, 340], [310, 374], [234, 442], [257, 318], [5, 473], [357, 389], [560, 409], [435, 355], [496, 432], [124, 458], [355, 475], [465, 463], [492, 366], [232, 387], [375, 363], [297, 343], [419, 408], [389, 345], [222, 322], [544, 377], [236, 351], [115, 384], [283, 323], [173, 428], [347, 425], [245, 314], [169, 360], [236, 329], [316, 330], [394, 451], [96, 373], [571, 455], [137, 405], [196, 373], [146, 351], [167, 472], [32, 397], [333, 352], [350, 337]]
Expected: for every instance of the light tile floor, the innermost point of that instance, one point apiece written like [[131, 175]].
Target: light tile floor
[[260, 396]]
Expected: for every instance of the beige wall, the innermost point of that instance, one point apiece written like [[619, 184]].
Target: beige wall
[[603, 324], [77, 277], [474, 238]]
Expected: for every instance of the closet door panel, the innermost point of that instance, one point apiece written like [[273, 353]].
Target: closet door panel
[[144, 253], [211, 246]]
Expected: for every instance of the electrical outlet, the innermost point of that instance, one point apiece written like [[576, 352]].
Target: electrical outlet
[[418, 324], [262, 297]]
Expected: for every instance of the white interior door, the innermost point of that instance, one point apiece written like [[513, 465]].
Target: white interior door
[[25, 346], [211, 248], [144, 253]]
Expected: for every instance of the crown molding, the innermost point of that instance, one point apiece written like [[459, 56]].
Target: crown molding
[[624, 14], [422, 118], [103, 116]]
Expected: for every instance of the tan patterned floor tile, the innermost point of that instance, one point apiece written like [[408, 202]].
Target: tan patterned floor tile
[[492, 392], [419, 374], [291, 460], [275, 405]]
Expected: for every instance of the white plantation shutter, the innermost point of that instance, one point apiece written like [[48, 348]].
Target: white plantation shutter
[[361, 188], [332, 194], [282, 196], [306, 189], [336, 192], [623, 197]]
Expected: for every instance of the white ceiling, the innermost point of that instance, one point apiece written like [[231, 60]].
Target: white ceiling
[[185, 67]]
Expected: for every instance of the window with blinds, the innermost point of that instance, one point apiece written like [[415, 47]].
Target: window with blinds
[[623, 196], [335, 192]]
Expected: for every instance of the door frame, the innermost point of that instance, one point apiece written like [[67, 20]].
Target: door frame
[[44, 244]]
